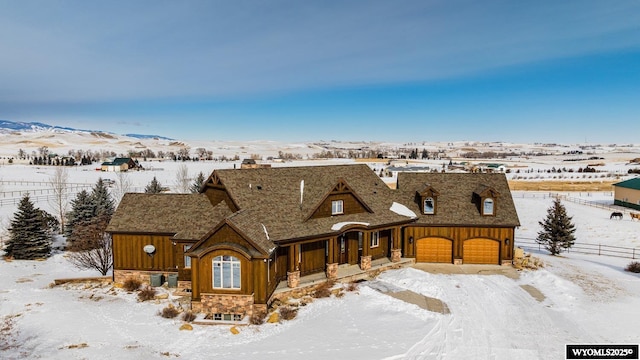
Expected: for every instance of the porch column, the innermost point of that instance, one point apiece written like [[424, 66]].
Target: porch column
[[365, 260], [293, 275], [332, 265], [396, 251]]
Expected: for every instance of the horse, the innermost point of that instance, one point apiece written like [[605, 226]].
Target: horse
[[635, 216], [616, 214]]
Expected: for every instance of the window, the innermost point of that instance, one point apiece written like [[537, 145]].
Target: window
[[227, 317], [226, 272], [336, 207], [429, 206], [487, 207], [375, 239], [187, 259]]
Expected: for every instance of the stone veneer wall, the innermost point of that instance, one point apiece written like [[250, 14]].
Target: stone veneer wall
[[120, 276], [226, 304]]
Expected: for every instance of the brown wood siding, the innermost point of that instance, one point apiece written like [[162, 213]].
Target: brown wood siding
[[281, 263], [128, 253], [205, 274], [351, 205], [226, 234], [259, 277], [217, 194], [459, 235], [184, 274], [383, 249], [313, 257]]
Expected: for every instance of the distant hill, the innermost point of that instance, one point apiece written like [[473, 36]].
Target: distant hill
[[11, 126]]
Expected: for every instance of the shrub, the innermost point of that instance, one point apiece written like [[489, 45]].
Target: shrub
[[323, 290], [147, 293], [169, 312], [131, 284], [288, 313], [188, 316], [633, 267], [258, 318]]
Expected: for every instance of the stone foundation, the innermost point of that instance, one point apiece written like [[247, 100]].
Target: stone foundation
[[457, 261], [396, 255], [184, 288], [332, 271], [506, 262], [120, 276], [293, 279], [225, 304], [365, 262]]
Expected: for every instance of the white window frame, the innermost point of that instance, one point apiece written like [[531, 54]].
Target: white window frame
[[375, 239], [226, 264], [337, 207], [187, 259], [433, 205], [485, 206]]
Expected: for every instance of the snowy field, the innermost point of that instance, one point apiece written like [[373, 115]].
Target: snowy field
[[587, 299]]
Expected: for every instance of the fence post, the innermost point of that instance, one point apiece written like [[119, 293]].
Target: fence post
[[599, 245]]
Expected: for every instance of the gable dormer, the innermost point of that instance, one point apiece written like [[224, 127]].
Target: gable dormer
[[217, 192], [427, 199], [485, 198], [340, 200]]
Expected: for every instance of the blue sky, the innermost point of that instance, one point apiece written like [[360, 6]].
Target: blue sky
[[521, 71]]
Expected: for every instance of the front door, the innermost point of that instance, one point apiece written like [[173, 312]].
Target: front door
[[343, 247]]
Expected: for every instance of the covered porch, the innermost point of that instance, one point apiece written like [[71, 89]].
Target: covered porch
[[346, 273]]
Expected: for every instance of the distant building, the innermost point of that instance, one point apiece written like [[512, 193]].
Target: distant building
[[627, 193], [119, 164], [251, 164]]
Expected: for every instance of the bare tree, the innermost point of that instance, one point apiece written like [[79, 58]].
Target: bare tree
[[59, 182], [123, 185], [183, 183], [183, 152], [95, 251]]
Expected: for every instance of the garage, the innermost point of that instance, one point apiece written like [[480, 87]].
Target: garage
[[434, 250], [481, 251]]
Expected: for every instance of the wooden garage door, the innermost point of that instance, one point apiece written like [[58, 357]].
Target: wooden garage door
[[434, 250], [481, 251]]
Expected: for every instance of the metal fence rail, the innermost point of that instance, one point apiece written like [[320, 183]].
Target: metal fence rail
[[585, 248]]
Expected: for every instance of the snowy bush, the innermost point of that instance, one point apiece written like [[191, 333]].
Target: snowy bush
[[288, 313], [188, 316], [169, 312], [147, 293], [633, 267], [131, 284]]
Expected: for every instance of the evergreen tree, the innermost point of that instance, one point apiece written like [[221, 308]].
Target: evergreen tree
[[425, 154], [154, 187], [82, 210], [29, 237], [104, 204], [557, 229], [197, 183]]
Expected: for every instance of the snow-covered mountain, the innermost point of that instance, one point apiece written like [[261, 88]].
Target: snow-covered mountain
[[13, 126]]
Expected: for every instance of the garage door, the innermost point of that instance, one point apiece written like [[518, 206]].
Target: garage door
[[481, 251], [434, 250]]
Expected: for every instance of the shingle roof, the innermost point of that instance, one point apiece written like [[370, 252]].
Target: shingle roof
[[188, 216], [630, 184], [273, 196], [454, 203]]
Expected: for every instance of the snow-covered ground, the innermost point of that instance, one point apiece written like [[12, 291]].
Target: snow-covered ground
[[588, 299]]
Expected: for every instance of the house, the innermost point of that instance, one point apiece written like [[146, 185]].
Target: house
[[119, 164], [252, 164], [627, 193], [251, 231]]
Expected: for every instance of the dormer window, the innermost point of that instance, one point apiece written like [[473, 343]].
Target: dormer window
[[337, 207], [429, 206], [487, 207]]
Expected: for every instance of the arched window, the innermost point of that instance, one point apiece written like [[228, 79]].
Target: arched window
[[487, 207], [226, 272], [429, 206]]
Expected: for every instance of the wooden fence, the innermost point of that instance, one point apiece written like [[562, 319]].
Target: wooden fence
[[584, 248]]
